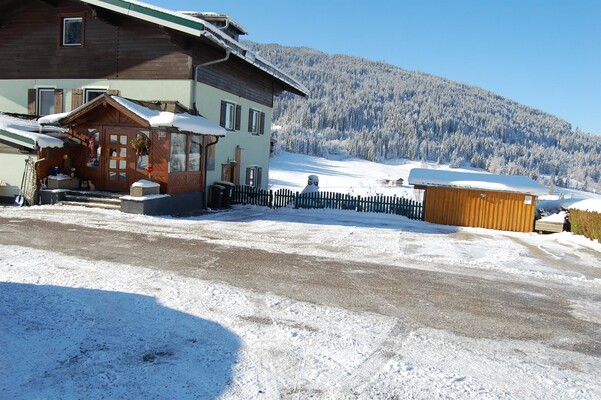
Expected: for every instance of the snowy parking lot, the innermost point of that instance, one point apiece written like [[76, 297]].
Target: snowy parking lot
[[259, 303]]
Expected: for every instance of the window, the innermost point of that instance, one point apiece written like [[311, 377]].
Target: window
[[45, 101], [253, 176], [94, 148], [185, 153], [195, 153], [230, 116], [72, 31], [177, 159], [91, 94], [256, 122]]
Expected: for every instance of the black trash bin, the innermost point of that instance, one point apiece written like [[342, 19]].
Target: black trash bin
[[228, 193], [216, 196]]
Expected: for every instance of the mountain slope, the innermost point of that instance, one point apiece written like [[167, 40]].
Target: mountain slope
[[377, 111]]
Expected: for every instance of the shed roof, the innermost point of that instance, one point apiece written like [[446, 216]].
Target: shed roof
[[197, 27], [476, 181], [28, 133]]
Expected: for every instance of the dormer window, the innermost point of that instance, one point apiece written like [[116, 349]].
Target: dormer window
[[72, 31]]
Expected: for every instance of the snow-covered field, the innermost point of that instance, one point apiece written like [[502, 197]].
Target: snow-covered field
[[75, 328]]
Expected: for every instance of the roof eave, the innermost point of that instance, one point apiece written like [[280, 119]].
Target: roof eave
[[156, 15], [17, 139], [482, 189]]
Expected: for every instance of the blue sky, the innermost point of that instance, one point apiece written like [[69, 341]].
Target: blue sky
[[542, 53]]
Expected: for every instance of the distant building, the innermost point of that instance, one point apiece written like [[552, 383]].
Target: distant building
[[391, 181]]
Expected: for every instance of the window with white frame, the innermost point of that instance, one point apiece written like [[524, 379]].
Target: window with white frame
[[256, 122], [45, 101], [72, 31], [230, 116]]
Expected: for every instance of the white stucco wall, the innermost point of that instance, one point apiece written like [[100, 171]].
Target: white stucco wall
[[255, 147], [11, 173]]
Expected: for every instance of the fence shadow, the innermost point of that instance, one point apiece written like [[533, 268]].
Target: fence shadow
[[249, 213], [287, 205], [62, 342]]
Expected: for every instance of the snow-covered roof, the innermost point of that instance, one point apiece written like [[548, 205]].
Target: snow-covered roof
[[391, 178], [183, 122], [155, 118], [28, 133], [476, 181], [197, 27], [208, 16]]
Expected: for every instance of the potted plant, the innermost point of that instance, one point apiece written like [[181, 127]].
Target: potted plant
[[141, 145]]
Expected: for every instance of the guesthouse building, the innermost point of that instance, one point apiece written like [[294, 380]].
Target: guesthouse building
[[65, 54]]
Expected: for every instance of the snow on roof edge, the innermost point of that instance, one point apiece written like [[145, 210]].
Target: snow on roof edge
[[25, 132], [182, 121], [476, 181]]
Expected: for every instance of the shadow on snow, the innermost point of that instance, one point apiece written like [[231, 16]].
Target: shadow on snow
[[81, 343]]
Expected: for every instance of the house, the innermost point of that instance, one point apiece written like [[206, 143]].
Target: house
[[391, 181], [478, 200], [22, 140], [66, 53]]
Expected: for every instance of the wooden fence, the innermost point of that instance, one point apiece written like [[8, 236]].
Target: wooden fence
[[337, 201]]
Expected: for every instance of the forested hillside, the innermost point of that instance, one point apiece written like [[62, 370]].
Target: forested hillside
[[377, 111]]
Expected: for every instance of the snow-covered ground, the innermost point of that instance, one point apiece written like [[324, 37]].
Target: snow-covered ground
[[75, 328], [355, 176]]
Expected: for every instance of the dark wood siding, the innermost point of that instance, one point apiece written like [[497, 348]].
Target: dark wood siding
[[116, 46], [130, 49], [233, 76]]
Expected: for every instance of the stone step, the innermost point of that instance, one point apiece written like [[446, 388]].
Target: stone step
[[91, 199], [105, 206]]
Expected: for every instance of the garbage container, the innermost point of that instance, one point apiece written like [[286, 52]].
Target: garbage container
[[216, 196], [228, 192]]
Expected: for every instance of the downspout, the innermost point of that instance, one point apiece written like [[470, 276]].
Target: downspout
[[206, 151], [195, 77]]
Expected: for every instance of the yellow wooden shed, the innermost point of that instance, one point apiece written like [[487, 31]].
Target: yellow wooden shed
[[479, 200]]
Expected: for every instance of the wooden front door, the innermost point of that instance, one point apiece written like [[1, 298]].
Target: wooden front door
[[116, 171]]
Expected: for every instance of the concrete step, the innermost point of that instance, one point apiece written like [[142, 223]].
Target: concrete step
[[104, 206], [92, 199], [103, 200]]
